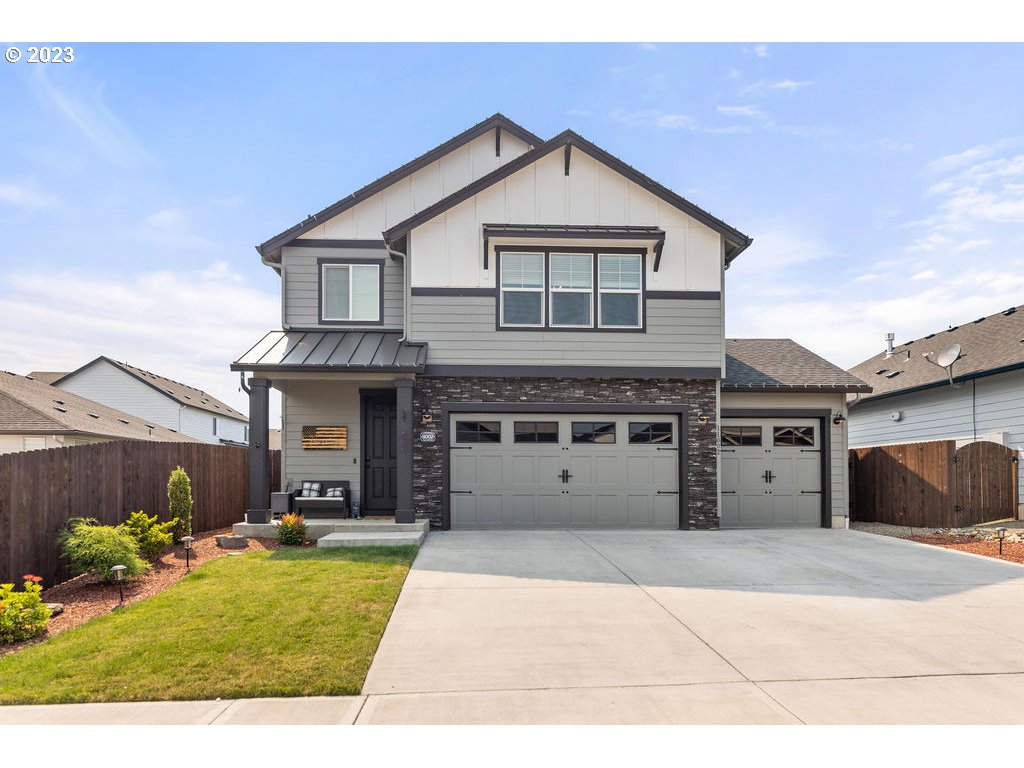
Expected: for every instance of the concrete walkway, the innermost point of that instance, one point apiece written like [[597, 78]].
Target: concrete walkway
[[602, 627]]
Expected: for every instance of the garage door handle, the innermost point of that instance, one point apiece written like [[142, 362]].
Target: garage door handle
[[810, 491], [810, 450], [727, 450], [667, 492], [461, 491], [725, 492], [461, 448], [667, 449]]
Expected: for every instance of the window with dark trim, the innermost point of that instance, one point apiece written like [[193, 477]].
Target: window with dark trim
[[602, 432], [478, 431], [568, 289], [650, 432], [794, 435], [350, 292], [536, 432], [741, 435]]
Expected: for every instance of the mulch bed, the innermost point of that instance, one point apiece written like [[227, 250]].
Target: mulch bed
[[1012, 551], [85, 597]]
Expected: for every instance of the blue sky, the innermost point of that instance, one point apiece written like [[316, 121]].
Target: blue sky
[[883, 184]]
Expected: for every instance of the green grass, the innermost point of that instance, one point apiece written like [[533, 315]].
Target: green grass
[[284, 623]]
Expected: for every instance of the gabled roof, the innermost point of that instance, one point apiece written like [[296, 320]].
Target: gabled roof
[[180, 393], [737, 241], [270, 250], [782, 365], [348, 351], [34, 407], [988, 345]]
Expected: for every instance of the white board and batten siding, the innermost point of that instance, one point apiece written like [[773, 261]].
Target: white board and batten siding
[[990, 408], [399, 201], [838, 473], [301, 280]]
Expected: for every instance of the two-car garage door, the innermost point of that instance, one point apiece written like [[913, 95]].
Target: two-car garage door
[[563, 470]]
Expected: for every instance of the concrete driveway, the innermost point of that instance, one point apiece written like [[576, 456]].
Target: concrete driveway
[[809, 626]]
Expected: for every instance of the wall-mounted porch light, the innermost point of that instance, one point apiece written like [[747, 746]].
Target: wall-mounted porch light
[[838, 418]]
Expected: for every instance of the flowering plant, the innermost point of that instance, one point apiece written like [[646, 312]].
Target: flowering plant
[[23, 615]]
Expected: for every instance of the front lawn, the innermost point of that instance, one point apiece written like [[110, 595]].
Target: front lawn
[[283, 623]]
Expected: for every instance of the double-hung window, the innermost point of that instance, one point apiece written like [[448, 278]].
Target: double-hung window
[[350, 292], [522, 290], [572, 290], [620, 281]]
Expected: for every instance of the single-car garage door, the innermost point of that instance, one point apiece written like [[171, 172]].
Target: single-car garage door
[[771, 473], [563, 471]]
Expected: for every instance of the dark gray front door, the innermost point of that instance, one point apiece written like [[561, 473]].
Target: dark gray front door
[[380, 464]]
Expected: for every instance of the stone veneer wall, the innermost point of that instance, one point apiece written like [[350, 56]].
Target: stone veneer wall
[[702, 439]]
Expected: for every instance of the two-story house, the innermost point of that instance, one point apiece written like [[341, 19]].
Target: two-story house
[[171, 404], [512, 332]]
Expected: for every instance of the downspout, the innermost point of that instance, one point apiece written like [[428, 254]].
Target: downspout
[[405, 287]]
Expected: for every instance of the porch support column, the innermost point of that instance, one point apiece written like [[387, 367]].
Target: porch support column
[[259, 454], [404, 512]]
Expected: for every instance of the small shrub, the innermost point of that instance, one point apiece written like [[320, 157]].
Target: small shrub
[[92, 547], [292, 529], [23, 615], [152, 537], [179, 495]]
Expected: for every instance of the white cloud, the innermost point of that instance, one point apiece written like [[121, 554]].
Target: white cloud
[[779, 246], [740, 111], [762, 86], [172, 227], [927, 274], [960, 159], [674, 121], [188, 326], [970, 245], [895, 145], [870, 277], [790, 85], [24, 195], [760, 51]]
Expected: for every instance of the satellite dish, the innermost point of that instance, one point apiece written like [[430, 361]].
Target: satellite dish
[[948, 356]]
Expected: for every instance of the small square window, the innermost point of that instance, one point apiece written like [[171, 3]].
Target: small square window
[[351, 292], [794, 436], [478, 431], [650, 432], [600, 432], [536, 432]]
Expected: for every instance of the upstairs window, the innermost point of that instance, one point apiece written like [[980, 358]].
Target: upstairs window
[[572, 290], [522, 289], [350, 292], [620, 281]]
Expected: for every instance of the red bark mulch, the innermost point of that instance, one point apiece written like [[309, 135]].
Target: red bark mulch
[[1012, 551], [85, 597]]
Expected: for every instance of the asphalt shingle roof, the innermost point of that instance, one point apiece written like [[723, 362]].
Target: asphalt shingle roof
[[28, 406], [770, 365], [986, 344]]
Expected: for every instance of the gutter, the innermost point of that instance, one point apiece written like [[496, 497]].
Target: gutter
[[942, 382], [406, 291]]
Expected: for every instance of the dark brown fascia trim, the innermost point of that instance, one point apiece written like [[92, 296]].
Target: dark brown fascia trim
[[680, 410], [734, 236], [151, 385], [574, 371], [837, 389], [824, 417], [941, 383], [426, 291], [510, 231], [311, 243], [686, 295], [269, 369], [496, 120], [357, 324]]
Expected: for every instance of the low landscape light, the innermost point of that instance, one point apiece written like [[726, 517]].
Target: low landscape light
[[187, 541], [118, 571], [1001, 533]]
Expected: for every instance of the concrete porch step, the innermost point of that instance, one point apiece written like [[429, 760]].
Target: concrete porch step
[[372, 539], [318, 528]]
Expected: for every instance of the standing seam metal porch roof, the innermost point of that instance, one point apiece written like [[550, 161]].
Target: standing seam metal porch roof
[[349, 351]]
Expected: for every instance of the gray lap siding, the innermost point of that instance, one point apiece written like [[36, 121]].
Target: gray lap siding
[[432, 392]]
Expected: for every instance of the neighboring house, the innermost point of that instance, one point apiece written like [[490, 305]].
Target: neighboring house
[[34, 415], [157, 399], [512, 332], [912, 400]]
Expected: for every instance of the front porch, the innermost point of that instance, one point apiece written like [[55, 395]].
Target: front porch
[[344, 532]]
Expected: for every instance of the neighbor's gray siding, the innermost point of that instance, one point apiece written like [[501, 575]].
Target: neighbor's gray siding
[[301, 280], [319, 403], [461, 331], [946, 413]]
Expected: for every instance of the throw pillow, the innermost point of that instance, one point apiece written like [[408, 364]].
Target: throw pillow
[[335, 493], [309, 488]]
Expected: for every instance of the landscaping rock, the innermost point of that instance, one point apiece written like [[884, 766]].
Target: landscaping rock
[[56, 609], [232, 542]]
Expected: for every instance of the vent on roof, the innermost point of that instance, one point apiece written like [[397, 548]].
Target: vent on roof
[[151, 426], [62, 410], [169, 391], [930, 335], [880, 371], [979, 320], [124, 421], [29, 378], [94, 415], [60, 402], [188, 397], [952, 328], [893, 374], [1009, 312]]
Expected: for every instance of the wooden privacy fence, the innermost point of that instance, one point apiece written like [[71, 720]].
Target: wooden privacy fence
[[933, 484], [41, 490]]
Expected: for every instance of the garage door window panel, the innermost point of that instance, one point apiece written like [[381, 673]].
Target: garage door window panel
[[536, 432], [620, 283], [595, 432], [741, 436], [522, 289], [641, 432], [799, 436], [478, 431]]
